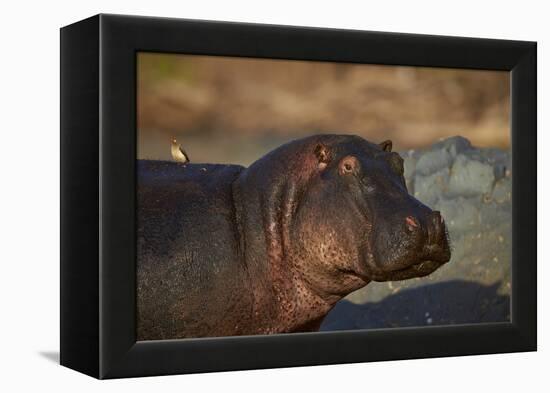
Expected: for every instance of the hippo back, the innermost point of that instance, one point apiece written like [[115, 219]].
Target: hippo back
[[187, 244]]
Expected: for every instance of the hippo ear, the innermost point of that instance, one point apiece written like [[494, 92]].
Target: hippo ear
[[323, 155], [386, 145]]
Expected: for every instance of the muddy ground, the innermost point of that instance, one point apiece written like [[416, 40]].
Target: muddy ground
[[472, 189]]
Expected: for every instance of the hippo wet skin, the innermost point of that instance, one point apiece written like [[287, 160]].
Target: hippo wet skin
[[225, 250]]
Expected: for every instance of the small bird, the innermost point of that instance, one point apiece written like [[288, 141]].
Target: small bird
[[178, 154]]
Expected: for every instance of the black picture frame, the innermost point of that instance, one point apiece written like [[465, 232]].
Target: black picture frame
[[98, 201]]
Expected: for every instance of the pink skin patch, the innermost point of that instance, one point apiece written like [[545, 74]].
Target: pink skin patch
[[411, 223]]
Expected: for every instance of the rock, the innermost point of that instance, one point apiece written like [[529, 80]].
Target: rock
[[433, 161], [409, 164], [461, 214], [498, 159], [470, 177], [502, 192], [493, 214], [428, 189], [453, 145]]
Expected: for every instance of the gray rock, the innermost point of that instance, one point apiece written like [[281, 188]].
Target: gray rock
[[461, 214], [428, 189], [470, 177], [502, 191], [453, 145], [409, 164], [498, 159], [492, 214], [433, 161]]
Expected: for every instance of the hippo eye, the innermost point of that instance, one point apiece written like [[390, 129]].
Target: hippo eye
[[348, 165]]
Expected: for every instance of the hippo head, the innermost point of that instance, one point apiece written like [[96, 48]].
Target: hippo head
[[338, 210]]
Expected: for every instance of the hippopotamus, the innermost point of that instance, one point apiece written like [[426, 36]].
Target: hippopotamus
[[226, 250]]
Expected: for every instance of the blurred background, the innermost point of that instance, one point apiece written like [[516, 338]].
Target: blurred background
[[450, 125], [234, 110]]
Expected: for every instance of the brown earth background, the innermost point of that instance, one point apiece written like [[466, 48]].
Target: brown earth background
[[234, 110]]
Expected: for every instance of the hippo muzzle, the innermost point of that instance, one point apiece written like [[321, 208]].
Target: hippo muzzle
[[411, 241]]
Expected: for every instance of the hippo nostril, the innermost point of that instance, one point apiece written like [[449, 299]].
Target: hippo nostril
[[412, 224]]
